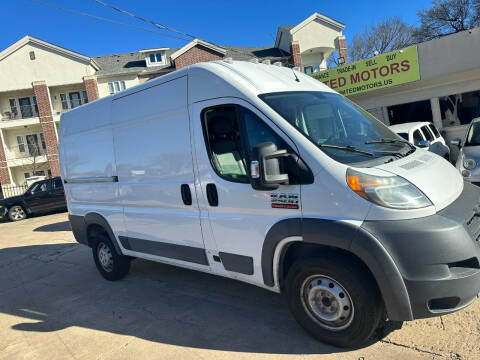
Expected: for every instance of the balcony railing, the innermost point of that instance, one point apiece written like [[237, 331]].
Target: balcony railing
[[20, 112]]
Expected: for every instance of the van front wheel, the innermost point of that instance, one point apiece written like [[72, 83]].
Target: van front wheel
[[112, 265], [334, 299]]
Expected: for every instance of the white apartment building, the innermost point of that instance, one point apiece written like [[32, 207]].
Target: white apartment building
[[40, 80]]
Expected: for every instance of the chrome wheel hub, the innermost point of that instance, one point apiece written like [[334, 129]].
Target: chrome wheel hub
[[18, 213], [105, 257], [327, 302]]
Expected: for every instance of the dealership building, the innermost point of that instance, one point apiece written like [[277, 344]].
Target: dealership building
[[445, 92]]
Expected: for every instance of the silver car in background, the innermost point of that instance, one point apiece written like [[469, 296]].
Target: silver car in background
[[468, 160]]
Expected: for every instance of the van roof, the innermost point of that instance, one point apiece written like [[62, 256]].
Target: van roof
[[265, 78], [228, 78]]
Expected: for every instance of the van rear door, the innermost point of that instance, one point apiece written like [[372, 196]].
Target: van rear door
[[155, 174], [225, 131]]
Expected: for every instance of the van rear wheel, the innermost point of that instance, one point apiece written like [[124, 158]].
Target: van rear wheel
[[112, 265], [334, 299]]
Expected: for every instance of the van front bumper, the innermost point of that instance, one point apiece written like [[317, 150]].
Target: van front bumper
[[437, 256]]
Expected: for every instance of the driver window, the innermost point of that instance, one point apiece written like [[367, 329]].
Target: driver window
[[38, 188], [231, 132], [222, 135]]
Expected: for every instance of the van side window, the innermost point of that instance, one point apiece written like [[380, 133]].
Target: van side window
[[222, 135], [257, 132], [417, 137]]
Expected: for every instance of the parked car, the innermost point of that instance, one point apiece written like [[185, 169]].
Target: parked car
[[42, 196], [33, 179], [468, 160], [263, 174], [424, 135]]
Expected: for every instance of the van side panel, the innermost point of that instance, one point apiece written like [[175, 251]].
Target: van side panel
[[87, 158], [153, 154]]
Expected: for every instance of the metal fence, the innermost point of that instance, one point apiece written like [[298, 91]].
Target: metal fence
[[9, 191]]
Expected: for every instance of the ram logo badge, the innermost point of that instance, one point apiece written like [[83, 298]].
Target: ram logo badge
[[284, 200]]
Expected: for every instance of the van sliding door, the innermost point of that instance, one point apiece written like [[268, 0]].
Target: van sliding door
[[155, 174]]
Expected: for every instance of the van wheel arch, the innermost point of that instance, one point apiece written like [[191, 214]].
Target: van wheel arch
[[304, 250], [97, 223], [337, 236]]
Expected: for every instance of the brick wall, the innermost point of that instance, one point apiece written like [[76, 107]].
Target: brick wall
[[342, 48], [4, 174], [48, 127], [296, 58], [91, 87], [196, 54]]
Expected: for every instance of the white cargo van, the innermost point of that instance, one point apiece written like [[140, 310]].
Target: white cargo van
[[260, 173]]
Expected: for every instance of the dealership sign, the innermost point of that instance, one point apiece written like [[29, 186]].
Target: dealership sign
[[379, 72]]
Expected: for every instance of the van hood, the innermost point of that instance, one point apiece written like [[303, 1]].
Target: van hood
[[439, 180]]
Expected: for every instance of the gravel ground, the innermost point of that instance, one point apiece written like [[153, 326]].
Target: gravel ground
[[55, 305]]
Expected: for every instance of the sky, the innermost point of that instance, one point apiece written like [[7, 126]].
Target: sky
[[236, 23]]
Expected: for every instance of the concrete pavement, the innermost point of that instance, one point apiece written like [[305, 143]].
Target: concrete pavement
[[55, 305]]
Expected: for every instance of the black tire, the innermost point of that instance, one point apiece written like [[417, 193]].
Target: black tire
[[366, 310], [17, 213], [118, 265]]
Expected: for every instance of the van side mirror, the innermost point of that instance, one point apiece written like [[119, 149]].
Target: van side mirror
[[456, 142], [424, 144], [265, 167]]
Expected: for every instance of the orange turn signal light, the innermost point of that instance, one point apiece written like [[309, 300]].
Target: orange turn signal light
[[359, 183]]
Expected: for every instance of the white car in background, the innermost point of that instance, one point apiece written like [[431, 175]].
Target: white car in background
[[424, 135]]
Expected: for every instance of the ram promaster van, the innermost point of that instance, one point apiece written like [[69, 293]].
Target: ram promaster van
[[262, 174]]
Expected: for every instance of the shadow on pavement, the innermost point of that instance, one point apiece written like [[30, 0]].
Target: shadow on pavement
[[59, 226], [59, 287]]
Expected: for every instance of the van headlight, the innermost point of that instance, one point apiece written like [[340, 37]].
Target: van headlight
[[389, 191], [469, 164]]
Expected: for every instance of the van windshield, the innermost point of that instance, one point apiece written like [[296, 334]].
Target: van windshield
[[341, 129]]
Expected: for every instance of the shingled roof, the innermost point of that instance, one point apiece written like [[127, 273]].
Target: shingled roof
[[263, 53], [134, 62], [128, 63]]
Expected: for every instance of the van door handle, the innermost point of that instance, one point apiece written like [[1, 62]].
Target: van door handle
[[212, 195], [186, 194]]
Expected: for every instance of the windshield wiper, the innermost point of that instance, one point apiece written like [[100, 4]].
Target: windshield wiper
[[392, 141], [388, 141], [346, 148]]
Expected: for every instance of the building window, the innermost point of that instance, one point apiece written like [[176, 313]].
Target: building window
[[32, 55], [85, 96], [116, 86], [13, 108], [63, 99], [27, 175], [21, 144], [42, 139], [155, 58], [308, 70], [35, 105]]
